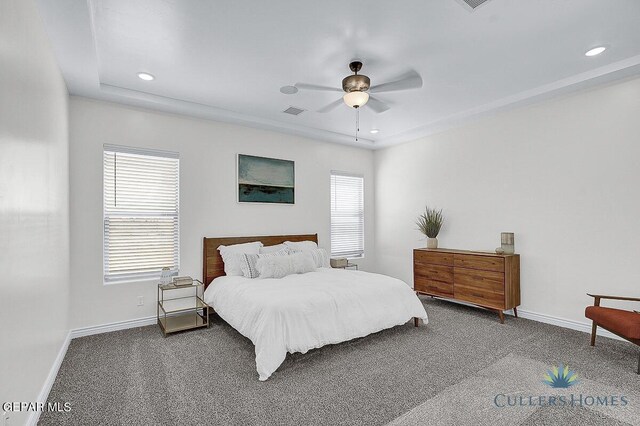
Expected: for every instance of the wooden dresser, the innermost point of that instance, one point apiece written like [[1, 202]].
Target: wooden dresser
[[488, 280]]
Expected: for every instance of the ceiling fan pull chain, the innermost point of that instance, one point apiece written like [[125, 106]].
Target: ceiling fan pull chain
[[357, 122]]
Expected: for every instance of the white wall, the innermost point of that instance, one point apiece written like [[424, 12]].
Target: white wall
[[563, 175], [208, 204], [34, 213]]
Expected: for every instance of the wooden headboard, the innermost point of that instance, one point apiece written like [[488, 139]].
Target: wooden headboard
[[212, 264]]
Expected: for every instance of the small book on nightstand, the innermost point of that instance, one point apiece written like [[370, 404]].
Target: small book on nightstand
[[182, 281]]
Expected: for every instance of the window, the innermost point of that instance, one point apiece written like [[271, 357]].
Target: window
[[347, 215], [141, 233]]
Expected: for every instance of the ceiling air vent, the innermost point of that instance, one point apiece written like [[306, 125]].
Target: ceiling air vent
[[293, 110], [472, 4]]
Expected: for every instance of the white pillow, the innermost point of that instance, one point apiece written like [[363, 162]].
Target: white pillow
[[281, 266], [301, 245], [320, 257], [249, 269], [232, 256], [272, 249]]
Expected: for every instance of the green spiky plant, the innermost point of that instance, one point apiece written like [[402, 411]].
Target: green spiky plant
[[430, 222]]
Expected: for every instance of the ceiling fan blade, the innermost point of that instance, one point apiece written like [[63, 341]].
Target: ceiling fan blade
[[305, 86], [410, 80], [333, 105], [377, 105]]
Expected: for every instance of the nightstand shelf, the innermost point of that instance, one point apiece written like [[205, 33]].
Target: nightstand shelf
[[185, 311], [181, 322]]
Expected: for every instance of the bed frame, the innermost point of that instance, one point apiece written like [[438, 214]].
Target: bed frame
[[212, 264]]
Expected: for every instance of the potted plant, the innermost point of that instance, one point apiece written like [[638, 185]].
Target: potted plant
[[429, 223]]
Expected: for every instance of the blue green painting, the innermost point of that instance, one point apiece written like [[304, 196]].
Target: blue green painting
[[265, 180]]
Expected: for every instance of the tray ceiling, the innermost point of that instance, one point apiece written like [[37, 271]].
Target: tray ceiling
[[228, 60]]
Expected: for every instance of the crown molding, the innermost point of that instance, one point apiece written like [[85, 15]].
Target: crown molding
[[626, 68]]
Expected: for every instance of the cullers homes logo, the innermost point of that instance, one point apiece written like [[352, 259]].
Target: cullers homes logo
[[560, 377]]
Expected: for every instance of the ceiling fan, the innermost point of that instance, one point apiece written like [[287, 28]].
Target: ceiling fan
[[357, 88]]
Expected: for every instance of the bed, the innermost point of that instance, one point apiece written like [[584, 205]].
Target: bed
[[301, 312]]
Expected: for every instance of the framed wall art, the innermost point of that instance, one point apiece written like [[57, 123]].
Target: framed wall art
[[265, 180]]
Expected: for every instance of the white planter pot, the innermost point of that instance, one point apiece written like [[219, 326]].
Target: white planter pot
[[432, 243]]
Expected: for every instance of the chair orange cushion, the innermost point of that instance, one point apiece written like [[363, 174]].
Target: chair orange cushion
[[625, 323]]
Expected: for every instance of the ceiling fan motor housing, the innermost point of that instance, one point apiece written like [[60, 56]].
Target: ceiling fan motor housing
[[356, 82]]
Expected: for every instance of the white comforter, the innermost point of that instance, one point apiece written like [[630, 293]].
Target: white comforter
[[302, 312]]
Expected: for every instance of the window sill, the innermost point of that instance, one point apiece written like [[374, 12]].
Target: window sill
[[141, 280]]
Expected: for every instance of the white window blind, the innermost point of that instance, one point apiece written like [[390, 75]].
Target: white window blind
[[141, 198], [347, 215]]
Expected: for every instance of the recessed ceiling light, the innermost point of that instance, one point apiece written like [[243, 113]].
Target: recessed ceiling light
[[145, 76], [289, 90], [595, 51], [374, 131]]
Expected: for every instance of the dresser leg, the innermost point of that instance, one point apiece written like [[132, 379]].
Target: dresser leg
[[501, 315], [515, 312]]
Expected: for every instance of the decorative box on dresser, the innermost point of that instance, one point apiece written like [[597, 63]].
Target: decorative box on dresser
[[488, 280]]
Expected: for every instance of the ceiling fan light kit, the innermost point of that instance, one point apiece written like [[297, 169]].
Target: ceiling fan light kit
[[356, 99]]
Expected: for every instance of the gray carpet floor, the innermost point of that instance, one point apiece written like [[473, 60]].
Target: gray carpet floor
[[208, 376]]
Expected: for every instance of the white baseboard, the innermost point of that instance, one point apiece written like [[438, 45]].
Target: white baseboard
[[33, 418], [142, 322], [585, 327], [114, 326]]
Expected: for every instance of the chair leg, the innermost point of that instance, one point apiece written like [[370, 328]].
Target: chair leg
[[638, 372], [594, 327], [416, 321]]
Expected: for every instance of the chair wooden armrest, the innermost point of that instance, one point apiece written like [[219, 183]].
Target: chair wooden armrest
[[597, 298]]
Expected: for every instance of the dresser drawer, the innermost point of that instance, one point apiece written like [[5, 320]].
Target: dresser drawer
[[432, 258], [435, 272], [482, 280], [485, 263], [437, 288], [479, 296]]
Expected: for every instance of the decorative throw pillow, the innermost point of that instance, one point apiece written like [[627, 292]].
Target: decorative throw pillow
[[281, 266], [301, 245], [272, 249], [233, 255], [249, 269], [320, 257]]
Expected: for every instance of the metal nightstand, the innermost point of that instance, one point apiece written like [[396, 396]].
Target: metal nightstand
[[185, 311]]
